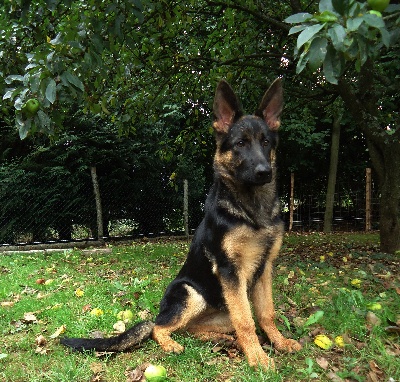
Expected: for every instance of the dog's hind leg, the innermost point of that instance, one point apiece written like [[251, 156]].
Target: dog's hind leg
[[212, 325], [180, 305], [264, 305]]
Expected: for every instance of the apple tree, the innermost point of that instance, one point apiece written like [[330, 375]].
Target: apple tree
[[56, 54], [355, 46]]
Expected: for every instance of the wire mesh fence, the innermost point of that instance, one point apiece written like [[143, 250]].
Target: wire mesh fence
[[55, 209]]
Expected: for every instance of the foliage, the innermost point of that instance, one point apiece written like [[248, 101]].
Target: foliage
[[342, 31], [48, 186]]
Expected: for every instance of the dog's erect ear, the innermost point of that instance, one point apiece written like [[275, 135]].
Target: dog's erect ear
[[271, 105], [226, 107]]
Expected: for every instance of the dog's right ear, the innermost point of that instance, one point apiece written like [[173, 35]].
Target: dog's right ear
[[226, 108]]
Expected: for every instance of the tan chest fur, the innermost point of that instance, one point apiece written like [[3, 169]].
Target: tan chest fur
[[246, 248]]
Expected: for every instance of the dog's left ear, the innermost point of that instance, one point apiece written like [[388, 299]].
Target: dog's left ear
[[271, 106]]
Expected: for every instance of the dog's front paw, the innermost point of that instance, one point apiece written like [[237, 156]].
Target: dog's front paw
[[260, 360], [288, 345], [172, 347]]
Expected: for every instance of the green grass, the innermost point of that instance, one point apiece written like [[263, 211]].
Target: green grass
[[339, 274]]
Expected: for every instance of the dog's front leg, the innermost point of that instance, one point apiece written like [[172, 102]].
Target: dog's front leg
[[240, 314], [264, 306]]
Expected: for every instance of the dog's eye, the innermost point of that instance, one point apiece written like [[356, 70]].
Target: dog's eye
[[240, 143], [265, 142]]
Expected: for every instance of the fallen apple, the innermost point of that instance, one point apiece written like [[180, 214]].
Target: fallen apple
[[125, 315], [155, 373], [378, 5], [31, 106]]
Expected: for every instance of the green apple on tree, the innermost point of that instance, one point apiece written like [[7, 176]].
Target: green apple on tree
[[378, 5], [31, 106]]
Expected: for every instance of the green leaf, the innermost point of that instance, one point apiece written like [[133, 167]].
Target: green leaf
[[296, 29], [51, 91], [314, 318], [374, 21], [317, 53], [325, 5], [337, 34], [3, 355], [298, 18], [23, 127], [353, 24], [44, 121], [341, 6], [332, 66], [385, 37], [325, 17], [302, 62], [73, 80], [308, 34], [14, 77]]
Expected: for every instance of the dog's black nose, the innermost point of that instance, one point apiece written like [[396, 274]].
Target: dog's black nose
[[263, 173]]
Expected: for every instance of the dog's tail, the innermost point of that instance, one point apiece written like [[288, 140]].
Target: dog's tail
[[126, 340]]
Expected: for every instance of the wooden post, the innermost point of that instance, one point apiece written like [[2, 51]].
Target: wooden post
[[186, 206], [368, 192], [291, 204], [99, 211]]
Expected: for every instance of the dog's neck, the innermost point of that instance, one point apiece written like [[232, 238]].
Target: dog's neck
[[247, 201]]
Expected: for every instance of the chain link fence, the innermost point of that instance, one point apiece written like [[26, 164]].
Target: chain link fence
[[55, 209]]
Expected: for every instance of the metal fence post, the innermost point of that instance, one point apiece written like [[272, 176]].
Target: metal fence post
[[99, 211]]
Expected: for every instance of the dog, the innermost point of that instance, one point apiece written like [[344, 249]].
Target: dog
[[229, 265]]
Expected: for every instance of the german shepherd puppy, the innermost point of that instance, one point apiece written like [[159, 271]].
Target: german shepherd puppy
[[229, 265]]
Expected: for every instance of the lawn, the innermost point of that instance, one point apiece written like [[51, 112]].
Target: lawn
[[337, 285]]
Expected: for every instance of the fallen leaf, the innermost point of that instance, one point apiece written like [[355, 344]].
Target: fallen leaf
[[41, 350], [29, 318], [86, 308], [376, 374], [334, 377], [40, 340], [119, 326], [356, 283], [323, 341], [96, 312], [322, 362], [372, 319], [339, 341], [96, 367], [135, 375], [59, 331], [6, 304], [144, 314]]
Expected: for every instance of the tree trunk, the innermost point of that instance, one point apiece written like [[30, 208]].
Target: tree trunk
[[384, 151], [389, 207], [330, 192]]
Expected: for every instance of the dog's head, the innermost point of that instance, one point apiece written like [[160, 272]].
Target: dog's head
[[246, 143]]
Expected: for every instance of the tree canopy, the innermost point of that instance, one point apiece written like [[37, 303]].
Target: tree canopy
[[128, 62]]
